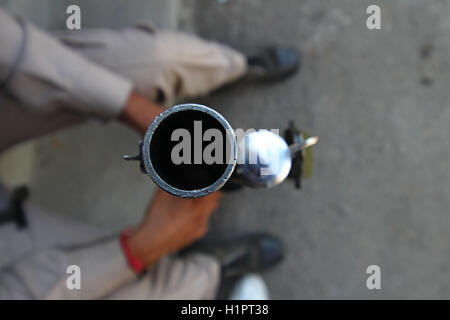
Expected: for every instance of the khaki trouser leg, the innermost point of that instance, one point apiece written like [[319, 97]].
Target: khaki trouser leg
[[165, 66], [194, 277]]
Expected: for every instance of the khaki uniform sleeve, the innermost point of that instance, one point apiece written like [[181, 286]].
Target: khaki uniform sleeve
[[49, 75], [103, 269]]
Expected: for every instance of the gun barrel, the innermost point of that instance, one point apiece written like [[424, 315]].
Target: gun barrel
[[182, 153]]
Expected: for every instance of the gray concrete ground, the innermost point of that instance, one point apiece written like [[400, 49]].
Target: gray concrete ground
[[377, 99]]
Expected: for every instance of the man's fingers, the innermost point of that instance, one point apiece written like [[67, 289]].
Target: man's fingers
[[209, 203], [211, 198]]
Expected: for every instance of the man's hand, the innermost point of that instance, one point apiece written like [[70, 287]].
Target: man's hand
[[139, 112], [171, 223]]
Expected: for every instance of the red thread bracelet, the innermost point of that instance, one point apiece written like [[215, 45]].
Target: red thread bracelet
[[134, 263]]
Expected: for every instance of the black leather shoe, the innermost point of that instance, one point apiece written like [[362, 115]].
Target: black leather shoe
[[254, 252], [273, 63]]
